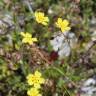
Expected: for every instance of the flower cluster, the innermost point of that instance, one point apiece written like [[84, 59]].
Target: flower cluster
[[63, 24], [27, 38], [41, 18], [35, 80], [33, 92]]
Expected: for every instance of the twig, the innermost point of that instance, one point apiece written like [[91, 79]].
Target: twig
[[85, 54]]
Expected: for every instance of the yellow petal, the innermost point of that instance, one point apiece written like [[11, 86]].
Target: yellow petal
[[45, 23], [39, 95], [60, 20], [22, 34], [33, 92], [30, 82], [42, 80], [24, 40], [65, 22], [29, 79], [30, 42], [40, 14], [29, 76], [37, 86], [28, 35], [36, 14], [46, 19], [63, 29], [37, 74], [34, 39], [67, 28]]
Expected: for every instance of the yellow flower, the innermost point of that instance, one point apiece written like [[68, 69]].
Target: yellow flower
[[27, 38], [33, 92], [35, 79], [63, 24], [41, 18]]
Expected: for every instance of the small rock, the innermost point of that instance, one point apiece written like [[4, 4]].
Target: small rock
[[63, 42]]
